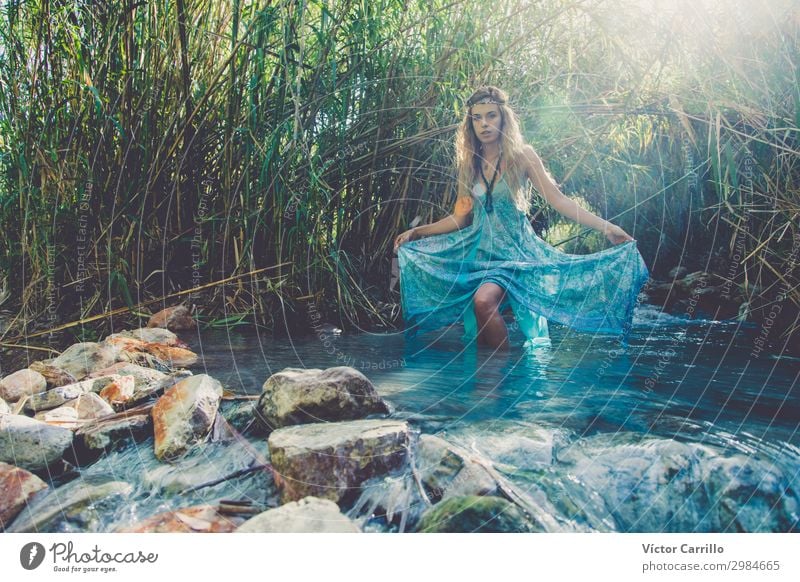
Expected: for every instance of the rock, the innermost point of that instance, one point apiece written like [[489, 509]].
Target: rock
[[76, 506], [678, 272], [174, 318], [31, 444], [144, 360], [202, 519], [698, 279], [103, 436], [4, 408], [184, 414], [647, 486], [17, 487], [331, 460], [119, 392], [155, 335], [446, 471], [20, 384], [82, 359], [170, 355], [215, 463], [744, 312], [65, 394], [124, 343], [475, 514], [173, 356], [520, 449], [146, 380], [56, 397], [298, 396], [62, 416], [750, 495], [53, 375], [141, 374], [148, 392], [309, 515], [241, 415], [77, 412], [671, 486], [699, 294], [90, 406]]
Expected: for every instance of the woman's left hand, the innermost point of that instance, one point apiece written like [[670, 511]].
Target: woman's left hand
[[616, 235]]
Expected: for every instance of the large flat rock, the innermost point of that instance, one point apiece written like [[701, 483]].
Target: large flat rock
[[331, 460], [299, 396]]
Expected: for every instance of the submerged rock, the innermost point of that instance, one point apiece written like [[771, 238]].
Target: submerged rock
[[20, 384], [475, 514], [103, 436], [202, 519], [447, 472], [678, 272], [31, 444], [214, 464], [666, 485], [242, 416], [17, 488], [184, 415], [332, 460], [309, 515], [298, 396], [77, 506], [751, 495], [517, 448]]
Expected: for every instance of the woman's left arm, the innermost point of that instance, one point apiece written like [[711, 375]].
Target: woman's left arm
[[565, 205]]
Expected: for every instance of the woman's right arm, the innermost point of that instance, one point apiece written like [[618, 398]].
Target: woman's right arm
[[461, 217]]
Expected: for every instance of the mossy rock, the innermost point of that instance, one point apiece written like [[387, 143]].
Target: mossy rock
[[473, 513]]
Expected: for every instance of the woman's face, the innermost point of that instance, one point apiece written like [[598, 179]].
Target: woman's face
[[486, 122]]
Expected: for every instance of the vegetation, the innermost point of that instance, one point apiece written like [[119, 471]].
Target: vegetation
[[153, 147]]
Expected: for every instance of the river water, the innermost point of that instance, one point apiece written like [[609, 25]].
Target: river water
[[682, 429]]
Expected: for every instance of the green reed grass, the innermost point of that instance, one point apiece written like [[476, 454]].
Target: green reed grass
[[149, 148]]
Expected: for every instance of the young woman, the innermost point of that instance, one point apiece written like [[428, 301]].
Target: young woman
[[485, 255]]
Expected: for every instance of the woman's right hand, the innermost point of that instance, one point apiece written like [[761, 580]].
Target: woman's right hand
[[410, 234]]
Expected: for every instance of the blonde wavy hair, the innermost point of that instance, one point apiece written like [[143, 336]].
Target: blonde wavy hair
[[468, 148]]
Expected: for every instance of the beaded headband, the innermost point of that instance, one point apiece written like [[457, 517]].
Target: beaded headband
[[489, 100], [486, 100]]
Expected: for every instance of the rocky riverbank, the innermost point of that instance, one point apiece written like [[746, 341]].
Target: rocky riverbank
[[329, 433]]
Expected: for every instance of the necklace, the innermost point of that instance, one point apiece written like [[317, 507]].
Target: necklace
[[490, 186]]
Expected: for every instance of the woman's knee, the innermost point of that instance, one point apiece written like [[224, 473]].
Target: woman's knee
[[486, 304]]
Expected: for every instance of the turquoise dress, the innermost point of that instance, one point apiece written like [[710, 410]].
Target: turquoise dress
[[440, 274]]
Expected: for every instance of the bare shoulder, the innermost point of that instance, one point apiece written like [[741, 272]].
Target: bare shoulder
[[531, 158], [533, 165]]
